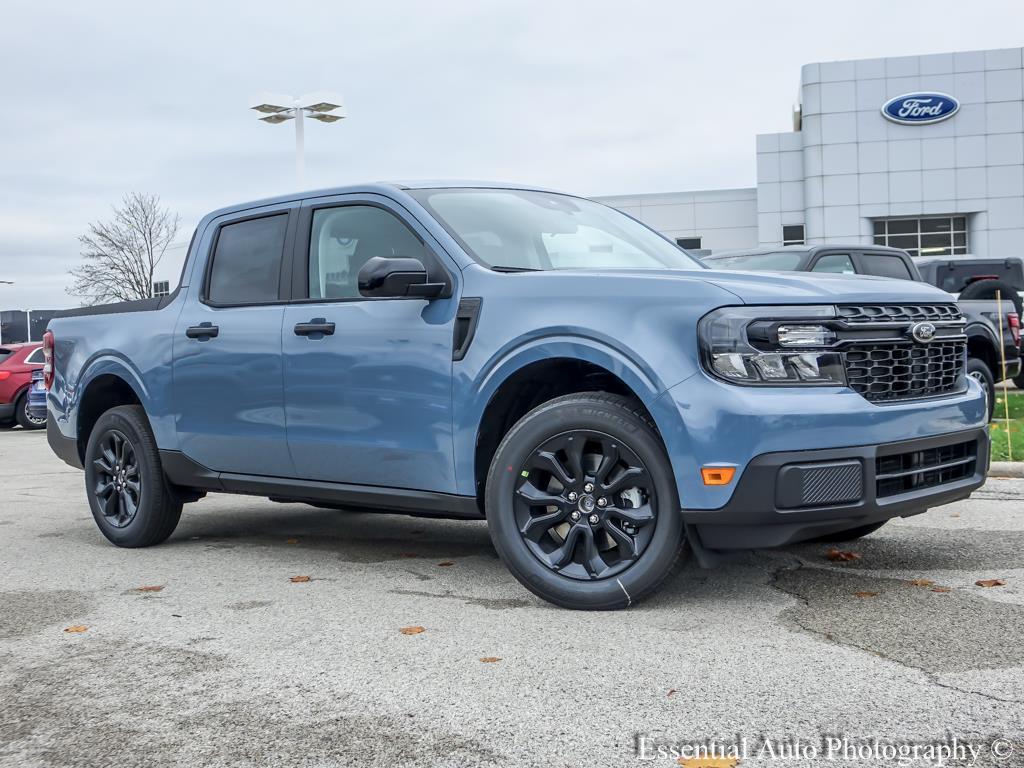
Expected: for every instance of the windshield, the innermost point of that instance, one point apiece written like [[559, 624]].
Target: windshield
[[778, 262], [517, 229]]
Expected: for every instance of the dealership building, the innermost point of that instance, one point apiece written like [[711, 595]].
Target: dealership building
[[924, 153]]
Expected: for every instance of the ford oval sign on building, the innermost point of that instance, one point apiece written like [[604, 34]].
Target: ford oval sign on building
[[920, 108]]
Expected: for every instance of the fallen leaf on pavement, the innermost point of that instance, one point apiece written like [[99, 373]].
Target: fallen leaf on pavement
[[299, 579], [708, 762], [955, 514], [445, 564], [76, 628], [941, 589], [990, 583], [412, 630], [922, 582], [291, 541], [671, 692], [490, 659], [154, 588], [841, 556], [865, 594]]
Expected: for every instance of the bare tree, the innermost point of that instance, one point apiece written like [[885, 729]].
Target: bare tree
[[121, 256]]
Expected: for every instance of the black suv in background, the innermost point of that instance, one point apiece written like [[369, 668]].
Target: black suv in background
[[992, 329]]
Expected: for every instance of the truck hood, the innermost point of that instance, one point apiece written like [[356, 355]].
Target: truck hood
[[806, 288]]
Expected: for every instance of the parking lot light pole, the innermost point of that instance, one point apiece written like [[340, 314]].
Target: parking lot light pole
[[324, 106]]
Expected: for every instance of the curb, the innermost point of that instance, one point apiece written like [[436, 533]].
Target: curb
[[1006, 469]]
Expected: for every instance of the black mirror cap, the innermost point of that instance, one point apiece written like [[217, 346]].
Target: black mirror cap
[[397, 277]]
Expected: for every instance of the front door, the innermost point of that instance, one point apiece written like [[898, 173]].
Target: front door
[[228, 371], [368, 381]]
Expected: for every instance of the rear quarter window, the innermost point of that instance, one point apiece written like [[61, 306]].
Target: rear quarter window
[[4, 354], [36, 358]]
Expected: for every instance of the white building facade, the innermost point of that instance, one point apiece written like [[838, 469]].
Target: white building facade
[[948, 184]]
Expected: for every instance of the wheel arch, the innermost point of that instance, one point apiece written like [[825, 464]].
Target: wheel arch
[[107, 387], [537, 373], [982, 346]]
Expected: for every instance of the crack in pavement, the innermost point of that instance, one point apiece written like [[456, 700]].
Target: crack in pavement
[[932, 633]]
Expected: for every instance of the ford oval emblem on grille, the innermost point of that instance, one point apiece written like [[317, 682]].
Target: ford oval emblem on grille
[[923, 332]]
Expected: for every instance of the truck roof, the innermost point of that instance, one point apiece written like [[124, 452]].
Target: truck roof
[[378, 187]]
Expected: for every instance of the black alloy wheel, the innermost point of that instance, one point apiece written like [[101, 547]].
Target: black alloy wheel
[[118, 483], [131, 500], [582, 504], [586, 505]]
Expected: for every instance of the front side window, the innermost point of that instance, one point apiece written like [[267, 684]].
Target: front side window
[[36, 358], [343, 239], [246, 265], [515, 229], [835, 263]]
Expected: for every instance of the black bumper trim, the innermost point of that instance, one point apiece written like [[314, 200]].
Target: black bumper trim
[[752, 518], [66, 448], [6, 410]]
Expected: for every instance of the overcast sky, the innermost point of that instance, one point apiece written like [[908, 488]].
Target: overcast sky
[[592, 97]]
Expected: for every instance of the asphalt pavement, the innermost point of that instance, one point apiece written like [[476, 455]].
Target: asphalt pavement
[[225, 660]]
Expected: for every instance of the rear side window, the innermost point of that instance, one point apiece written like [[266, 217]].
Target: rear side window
[[834, 263], [4, 354], [246, 265], [885, 266], [36, 358]]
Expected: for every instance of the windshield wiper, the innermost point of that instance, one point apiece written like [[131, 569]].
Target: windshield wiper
[[500, 268]]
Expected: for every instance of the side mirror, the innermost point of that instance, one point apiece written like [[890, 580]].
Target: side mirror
[[396, 277]]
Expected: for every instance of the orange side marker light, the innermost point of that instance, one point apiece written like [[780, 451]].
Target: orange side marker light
[[717, 475]]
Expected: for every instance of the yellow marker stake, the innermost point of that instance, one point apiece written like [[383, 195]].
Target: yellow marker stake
[[1002, 355]]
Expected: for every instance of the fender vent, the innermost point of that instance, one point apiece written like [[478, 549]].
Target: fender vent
[[465, 326]]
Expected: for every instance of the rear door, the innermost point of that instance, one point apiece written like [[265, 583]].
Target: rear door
[[370, 401], [228, 373]]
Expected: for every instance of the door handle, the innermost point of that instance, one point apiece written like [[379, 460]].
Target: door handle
[[203, 331], [318, 327]]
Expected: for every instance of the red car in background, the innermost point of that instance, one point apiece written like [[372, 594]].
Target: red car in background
[[17, 362]]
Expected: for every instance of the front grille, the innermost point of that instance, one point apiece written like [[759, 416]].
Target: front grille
[[895, 313], [881, 372], [928, 468]]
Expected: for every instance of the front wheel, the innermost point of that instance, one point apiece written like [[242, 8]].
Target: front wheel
[[128, 494], [581, 503]]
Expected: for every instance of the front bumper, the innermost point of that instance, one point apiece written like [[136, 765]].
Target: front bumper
[[791, 496]]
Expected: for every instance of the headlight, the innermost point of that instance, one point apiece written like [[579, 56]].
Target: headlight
[[765, 346]]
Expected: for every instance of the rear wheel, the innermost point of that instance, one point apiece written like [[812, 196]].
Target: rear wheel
[[582, 505], [128, 493], [24, 418]]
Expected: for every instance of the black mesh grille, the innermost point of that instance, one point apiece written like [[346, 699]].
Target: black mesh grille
[[894, 313], [914, 470], [832, 484], [882, 372]]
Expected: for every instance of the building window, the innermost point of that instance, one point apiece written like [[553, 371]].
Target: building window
[[689, 243], [793, 234], [933, 236], [161, 288]]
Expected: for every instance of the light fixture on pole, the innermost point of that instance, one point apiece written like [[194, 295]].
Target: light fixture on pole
[[324, 106]]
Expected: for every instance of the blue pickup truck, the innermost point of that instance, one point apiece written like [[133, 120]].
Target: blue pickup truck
[[605, 401]]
